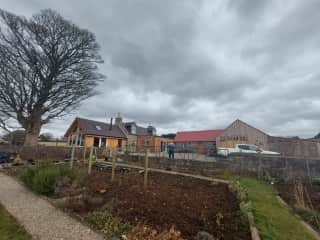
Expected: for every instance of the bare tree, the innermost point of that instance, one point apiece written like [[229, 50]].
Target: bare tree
[[46, 136], [48, 66]]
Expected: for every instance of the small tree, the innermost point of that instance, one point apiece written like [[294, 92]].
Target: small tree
[[46, 136], [169, 135], [48, 66]]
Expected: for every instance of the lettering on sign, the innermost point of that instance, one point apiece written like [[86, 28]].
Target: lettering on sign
[[233, 138]]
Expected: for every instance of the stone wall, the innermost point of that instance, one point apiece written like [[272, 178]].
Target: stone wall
[[294, 147], [275, 166], [242, 164], [51, 153]]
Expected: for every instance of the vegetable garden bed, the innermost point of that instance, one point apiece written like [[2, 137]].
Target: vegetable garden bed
[[172, 207]]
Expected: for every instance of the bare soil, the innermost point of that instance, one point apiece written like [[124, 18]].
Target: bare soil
[[190, 205]]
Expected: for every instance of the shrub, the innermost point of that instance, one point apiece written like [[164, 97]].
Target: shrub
[[109, 225], [43, 177], [27, 177], [310, 216], [242, 196]]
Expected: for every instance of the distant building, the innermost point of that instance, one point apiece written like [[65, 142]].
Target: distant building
[[127, 136], [295, 147], [89, 133], [240, 132], [3, 141], [53, 143], [141, 138], [202, 142]]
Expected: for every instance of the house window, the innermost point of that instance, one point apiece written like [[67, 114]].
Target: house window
[[103, 142], [80, 140], [73, 140], [96, 142], [119, 143], [133, 129]]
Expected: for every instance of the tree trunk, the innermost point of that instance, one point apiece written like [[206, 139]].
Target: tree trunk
[[32, 132]]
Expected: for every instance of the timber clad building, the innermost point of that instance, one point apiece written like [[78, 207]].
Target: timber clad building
[[88, 133], [241, 132], [124, 136], [129, 136]]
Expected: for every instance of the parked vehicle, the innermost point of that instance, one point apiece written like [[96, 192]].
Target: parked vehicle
[[5, 157], [244, 148]]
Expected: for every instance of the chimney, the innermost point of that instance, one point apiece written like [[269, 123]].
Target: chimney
[[110, 127], [119, 120]]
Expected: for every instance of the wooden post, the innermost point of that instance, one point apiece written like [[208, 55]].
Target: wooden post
[[90, 161], [72, 156], [84, 153], [308, 170], [114, 158], [73, 147], [260, 174], [146, 163]]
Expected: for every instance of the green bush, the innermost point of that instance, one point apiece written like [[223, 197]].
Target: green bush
[[43, 177], [310, 216], [242, 196], [27, 177], [109, 225]]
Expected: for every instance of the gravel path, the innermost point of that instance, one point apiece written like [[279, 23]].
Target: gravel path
[[39, 217]]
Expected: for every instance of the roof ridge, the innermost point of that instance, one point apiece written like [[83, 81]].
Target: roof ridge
[[200, 130], [86, 119]]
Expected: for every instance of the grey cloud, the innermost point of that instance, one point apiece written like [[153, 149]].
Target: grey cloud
[[201, 64], [247, 8]]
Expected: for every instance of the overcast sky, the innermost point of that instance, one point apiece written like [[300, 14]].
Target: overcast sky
[[191, 65]]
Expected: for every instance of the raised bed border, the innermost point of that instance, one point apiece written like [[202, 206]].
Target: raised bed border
[[305, 224]]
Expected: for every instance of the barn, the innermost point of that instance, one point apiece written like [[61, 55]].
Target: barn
[[240, 132], [202, 142]]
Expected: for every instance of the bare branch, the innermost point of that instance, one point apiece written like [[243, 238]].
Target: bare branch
[[48, 66]]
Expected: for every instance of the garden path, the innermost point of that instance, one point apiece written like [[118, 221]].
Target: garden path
[[42, 220]]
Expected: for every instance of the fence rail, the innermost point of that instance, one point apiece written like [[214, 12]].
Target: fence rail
[[279, 166]]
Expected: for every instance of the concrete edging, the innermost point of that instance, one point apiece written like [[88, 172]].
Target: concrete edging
[[253, 229]]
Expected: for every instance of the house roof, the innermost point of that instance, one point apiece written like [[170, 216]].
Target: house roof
[[198, 136], [91, 127], [140, 131]]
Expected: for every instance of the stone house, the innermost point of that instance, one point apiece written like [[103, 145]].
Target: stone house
[[142, 138]]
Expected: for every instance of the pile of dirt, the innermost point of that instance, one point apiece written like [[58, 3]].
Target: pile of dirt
[[189, 205]]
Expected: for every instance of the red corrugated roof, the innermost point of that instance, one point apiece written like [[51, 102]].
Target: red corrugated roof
[[198, 136]]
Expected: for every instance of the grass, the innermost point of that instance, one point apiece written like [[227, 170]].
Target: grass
[[10, 229], [274, 221], [42, 178]]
